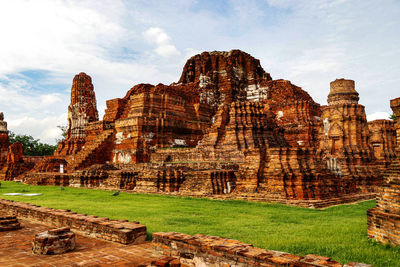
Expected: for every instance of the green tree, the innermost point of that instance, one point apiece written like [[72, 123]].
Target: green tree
[[32, 146], [393, 117], [63, 129]]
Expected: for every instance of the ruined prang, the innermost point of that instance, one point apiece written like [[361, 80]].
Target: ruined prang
[[345, 138], [81, 111]]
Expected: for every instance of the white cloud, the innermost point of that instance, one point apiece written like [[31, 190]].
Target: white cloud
[[62, 38], [162, 41], [121, 43], [44, 128], [52, 34], [17, 95], [49, 99], [67, 37], [247, 9], [157, 35], [378, 116], [315, 42], [167, 50], [32, 113]]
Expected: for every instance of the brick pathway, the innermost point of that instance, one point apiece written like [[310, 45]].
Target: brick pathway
[[16, 250]]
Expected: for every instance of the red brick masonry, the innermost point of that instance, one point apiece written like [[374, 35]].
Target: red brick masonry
[[55, 241], [203, 250], [120, 231], [384, 219]]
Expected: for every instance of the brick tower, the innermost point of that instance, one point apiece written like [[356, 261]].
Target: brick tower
[[82, 109], [345, 137], [81, 112], [384, 219]]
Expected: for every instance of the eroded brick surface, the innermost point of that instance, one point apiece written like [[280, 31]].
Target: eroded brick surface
[[383, 140], [54, 241]]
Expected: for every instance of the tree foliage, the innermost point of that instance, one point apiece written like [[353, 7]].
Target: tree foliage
[[32, 146], [63, 129], [393, 117]]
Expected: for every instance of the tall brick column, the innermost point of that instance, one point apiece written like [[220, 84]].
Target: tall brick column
[[384, 219]]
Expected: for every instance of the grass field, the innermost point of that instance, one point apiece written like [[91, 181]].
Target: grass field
[[338, 232]]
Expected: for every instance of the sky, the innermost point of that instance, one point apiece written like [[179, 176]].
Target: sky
[[44, 43]]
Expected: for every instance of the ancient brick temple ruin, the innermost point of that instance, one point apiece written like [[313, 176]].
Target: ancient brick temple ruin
[[226, 129], [384, 219], [12, 161]]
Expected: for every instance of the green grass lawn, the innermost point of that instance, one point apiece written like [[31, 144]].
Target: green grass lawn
[[338, 232]]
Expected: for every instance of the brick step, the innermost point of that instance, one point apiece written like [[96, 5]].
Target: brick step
[[7, 218], [7, 222], [393, 168], [10, 227], [166, 261], [84, 154]]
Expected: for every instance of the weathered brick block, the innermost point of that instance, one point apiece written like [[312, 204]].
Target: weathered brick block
[[56, 241]]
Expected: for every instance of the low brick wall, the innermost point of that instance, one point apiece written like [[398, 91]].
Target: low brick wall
[[203, 250], [120, 231]]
